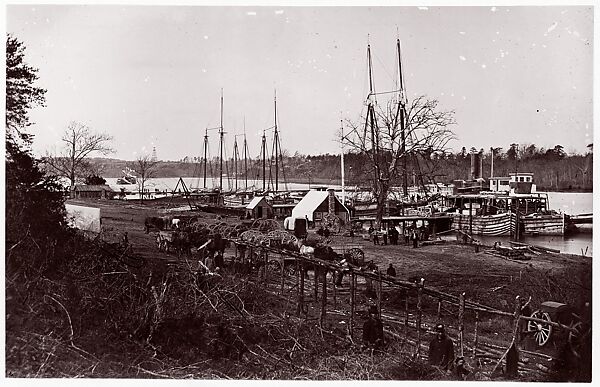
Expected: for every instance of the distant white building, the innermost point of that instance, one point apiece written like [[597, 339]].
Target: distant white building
[[499, 184], [522, 180]]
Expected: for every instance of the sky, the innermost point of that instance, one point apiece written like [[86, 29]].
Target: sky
[[151, 76]]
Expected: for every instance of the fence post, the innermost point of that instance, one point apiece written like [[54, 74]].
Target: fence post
[[352, 286], [420, 286], [475, 339], [282, 274], [379, 295], [300, 274], [324, 298], [516, 318], [316, 281], [512, 356], [405, 313], [334, 290], [461, 320], [266, 268]]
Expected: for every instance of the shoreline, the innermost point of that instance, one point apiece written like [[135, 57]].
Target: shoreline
[[326, 181]]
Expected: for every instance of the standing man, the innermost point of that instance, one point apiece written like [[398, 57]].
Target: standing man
[[441, 349], [415, 238]]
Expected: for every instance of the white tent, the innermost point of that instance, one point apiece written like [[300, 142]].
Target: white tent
[[84, 218], [310, 202]]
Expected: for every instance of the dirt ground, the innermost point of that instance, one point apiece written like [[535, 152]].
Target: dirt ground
[[448, 267]]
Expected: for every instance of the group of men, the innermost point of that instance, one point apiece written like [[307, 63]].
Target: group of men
[[412, 234]]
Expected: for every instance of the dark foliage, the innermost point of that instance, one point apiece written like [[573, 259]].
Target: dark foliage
[[21, 94], [95, 180]]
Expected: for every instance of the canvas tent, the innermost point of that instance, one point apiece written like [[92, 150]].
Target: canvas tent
[[315, 204]]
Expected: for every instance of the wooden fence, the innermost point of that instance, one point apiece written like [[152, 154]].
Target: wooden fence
[[275, 268]]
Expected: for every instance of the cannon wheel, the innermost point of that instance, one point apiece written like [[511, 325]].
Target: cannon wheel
[[541, 331]]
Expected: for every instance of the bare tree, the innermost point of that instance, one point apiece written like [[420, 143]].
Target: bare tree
[[392, 136], [144, 167], [80, 142]]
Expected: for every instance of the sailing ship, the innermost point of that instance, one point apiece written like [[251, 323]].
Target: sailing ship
[[235, 198], [128, 177]]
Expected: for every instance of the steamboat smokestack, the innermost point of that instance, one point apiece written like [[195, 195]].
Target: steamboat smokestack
[[331, 201], [475, 165]]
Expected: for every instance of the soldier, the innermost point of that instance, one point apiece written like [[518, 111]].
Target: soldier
[[441, 349], [373, 330], [391, 271]]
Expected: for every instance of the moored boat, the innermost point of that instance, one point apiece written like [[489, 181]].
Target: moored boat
[[491, 225]]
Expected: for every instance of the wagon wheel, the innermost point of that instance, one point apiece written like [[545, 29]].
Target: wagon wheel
[[356, 256], [290, 269], [541, 332], [575, 336], [273, 267]]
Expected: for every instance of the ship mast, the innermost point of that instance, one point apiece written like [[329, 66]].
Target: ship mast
[[245, 158], [221, 147], [370, 120], [275, 145], [402, 108], [342, 164], [264, 159], [205, 154], [235, 159]]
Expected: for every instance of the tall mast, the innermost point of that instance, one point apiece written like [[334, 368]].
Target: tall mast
[[221, 147], [492, 166], [342, 166], [275, 143], [245, 158], [205, 152], [235, 158], [371, 115], [402, 107], [264, 158]]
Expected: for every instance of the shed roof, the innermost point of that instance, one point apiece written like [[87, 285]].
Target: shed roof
[[309, 203], [93, 188], [255, 202]]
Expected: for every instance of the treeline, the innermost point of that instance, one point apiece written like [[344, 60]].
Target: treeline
[[553, 168]]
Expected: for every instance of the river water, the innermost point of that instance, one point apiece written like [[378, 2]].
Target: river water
[[567, 202]]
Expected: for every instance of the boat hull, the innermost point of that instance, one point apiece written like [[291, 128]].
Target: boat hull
[[492, 225], [554, 224]]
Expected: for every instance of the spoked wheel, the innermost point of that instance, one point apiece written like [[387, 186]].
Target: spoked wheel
[[290, 269], [274, 267], [575, 338], [541, 331]]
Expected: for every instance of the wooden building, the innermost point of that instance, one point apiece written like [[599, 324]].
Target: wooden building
[[84, 191], [259, 208]]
